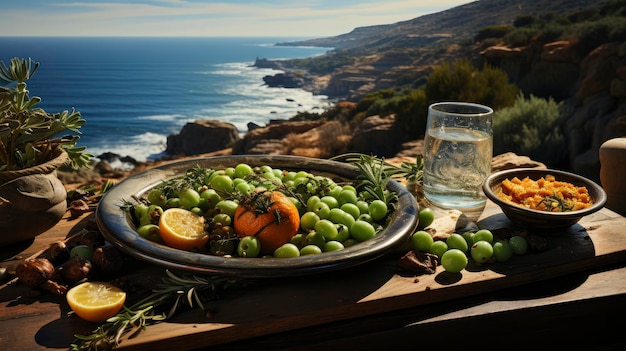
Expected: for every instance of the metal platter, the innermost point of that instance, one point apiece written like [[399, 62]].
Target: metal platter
[[118, 228]]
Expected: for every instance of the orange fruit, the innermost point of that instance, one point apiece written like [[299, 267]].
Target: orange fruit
[[270, 216], [182, 229], [95, 301]]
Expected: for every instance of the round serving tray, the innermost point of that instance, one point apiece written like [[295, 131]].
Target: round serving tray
[[118, 228]]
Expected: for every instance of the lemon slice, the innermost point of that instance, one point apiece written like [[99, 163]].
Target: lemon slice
[[96, 301], [182, 229]]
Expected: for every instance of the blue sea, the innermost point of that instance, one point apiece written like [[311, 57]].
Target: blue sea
[[134, 92]]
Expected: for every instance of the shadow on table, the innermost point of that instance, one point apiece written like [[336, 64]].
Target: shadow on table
[[289, 303], [10, 251], [276, 303], [60, 332], [567, 248], [274, 298]]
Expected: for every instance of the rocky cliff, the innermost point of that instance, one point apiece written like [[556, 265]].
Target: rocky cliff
[[589, 82], [403, 54], [591, 88]]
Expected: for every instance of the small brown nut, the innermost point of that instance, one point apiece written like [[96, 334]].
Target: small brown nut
[[54, 287], [92, 238], [78, 207], [58, 252], [108, 259], [34, 272], [75, 269]]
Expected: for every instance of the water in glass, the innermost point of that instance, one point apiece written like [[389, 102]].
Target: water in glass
[[456, 162]]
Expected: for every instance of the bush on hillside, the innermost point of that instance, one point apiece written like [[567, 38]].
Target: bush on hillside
[[410, 108], [551, 32], [524, 20], [324, 64], [587, 14], [540, 33], [591, 27], [551, 18], [461, 81], [591, 34], [492, 32], [613, 7], [371, 98], [521, 36], [531, 127]]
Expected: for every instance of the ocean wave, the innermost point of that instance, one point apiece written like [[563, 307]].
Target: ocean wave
[[152, 91], [141, 147], [163, 118], [237, 69]]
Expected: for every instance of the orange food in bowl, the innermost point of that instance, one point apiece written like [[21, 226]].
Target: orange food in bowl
[[96, 301], [182, 229], [545, 194], [270, 216]]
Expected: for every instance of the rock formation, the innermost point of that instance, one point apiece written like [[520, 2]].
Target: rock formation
[[591, 88], [202, 137], [269, 139], [598, 107], [375, 136]]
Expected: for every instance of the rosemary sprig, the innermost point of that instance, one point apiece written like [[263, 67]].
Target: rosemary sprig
[[194, 178], [412, 171], [182, 289], [374, 175]]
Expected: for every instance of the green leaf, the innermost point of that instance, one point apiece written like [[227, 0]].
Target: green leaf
[[28, 135]]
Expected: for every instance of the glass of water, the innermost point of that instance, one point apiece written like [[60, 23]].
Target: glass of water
[[458, 148]]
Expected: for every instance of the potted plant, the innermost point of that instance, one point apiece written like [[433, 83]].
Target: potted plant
[[32, 147]]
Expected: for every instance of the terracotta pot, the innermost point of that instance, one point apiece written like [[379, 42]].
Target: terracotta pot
[[32, 201], [612, 170]]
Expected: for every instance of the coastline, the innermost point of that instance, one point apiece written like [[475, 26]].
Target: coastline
[[134, 92], [294, 78]]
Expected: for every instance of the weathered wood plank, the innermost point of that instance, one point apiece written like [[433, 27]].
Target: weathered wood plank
[[279, 305]]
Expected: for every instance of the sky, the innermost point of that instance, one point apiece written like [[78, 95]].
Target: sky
[[197, 18]]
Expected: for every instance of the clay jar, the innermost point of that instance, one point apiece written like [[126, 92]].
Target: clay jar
[[32, 201], [612, 171]]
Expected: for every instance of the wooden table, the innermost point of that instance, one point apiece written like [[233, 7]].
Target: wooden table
[[570, 294]]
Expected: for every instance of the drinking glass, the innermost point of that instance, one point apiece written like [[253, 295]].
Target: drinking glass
[[458, 148]]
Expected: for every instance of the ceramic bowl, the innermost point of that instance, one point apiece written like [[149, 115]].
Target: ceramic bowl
[[536, 219], [118, 228]]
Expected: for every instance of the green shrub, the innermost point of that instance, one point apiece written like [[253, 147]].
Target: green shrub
[[551, 17], [323, 64], [613, 7], [461, 81], [551, 31], [540, 32], [531, 127], [584, 15], [410, 108], [492, 32], [521, 36], [489, 42], [371, 98], [524, 20], [594, 33], [591, 26]]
